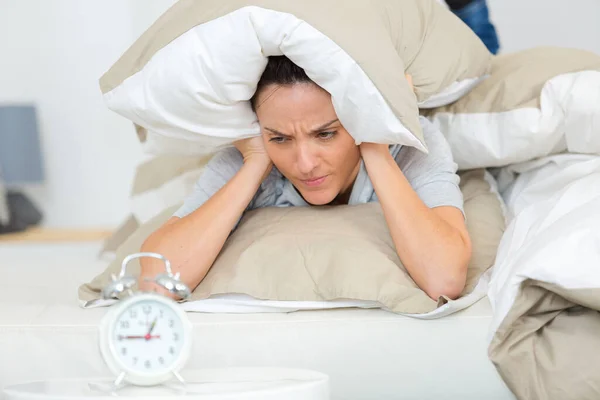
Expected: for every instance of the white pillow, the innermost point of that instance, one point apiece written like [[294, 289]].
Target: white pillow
[[194, 91]]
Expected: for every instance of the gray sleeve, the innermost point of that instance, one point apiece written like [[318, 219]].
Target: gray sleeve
[[218, 171], [433, 176]]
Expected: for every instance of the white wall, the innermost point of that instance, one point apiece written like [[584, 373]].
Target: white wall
[[145, 12], [522, 24], [52, 52]]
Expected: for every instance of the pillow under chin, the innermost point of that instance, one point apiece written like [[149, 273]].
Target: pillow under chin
[[189, 78], [326, 253]]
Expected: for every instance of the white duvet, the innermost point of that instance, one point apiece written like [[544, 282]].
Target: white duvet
[[567, 120], [554, 230]]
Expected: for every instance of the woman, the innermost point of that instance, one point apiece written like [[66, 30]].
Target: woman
[[306, 157]]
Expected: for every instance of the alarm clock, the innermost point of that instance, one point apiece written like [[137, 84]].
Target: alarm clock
[[146, 338]]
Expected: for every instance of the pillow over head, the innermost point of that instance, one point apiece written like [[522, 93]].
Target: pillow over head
[[189, 78], [326, 253], [536, 102]]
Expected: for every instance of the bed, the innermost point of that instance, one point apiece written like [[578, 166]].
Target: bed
[[531, 118], [45, 334]]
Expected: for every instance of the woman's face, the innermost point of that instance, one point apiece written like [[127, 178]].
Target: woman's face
[[306, 142]]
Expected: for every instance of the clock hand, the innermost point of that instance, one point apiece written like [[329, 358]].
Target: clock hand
[[152, 326], [147, 337]]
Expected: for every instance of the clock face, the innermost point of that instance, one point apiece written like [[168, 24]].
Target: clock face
[[148, 337]]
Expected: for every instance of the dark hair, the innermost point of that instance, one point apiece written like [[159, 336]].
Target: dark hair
[[280, 70]]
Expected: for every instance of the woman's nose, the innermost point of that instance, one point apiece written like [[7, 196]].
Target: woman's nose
[[307, 160]]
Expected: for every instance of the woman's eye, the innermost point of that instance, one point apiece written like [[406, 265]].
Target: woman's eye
[[326, 135], [278, 140]]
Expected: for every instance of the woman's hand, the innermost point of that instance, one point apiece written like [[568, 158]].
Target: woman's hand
[[254, 152], [373, 149], [252, 148]]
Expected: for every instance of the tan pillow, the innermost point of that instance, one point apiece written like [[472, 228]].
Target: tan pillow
[[535, 103], [187, 80], [326, 253]]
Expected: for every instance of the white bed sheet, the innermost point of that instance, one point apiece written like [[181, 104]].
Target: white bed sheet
[[368, 353]]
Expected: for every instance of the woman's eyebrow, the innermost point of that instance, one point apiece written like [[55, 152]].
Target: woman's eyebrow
[[276, 132], [326, 125], [316, 130]]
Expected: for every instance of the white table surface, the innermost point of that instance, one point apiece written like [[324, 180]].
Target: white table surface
[[210, 384]]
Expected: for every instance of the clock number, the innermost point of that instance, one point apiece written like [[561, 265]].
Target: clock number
[[147, 364], [124, 324], [175, 337], [161, 313], [171, 323], [132, 314], [146, 309], [172, 350], [124, 351], [161, 360], [135, 360]]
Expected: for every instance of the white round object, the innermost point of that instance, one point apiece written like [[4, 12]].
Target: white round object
[[210, 384], [146, 336]]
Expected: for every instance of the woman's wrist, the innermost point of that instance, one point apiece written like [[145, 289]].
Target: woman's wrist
[[374, 154], [259, 166]]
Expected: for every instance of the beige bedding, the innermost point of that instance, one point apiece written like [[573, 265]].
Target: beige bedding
[[547, 346]]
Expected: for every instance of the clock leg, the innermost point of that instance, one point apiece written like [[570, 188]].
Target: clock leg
[[108, 388], [119, 380], [180, 387], [179, 377]]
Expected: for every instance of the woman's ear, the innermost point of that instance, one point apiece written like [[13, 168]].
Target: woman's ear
[[410, 81]]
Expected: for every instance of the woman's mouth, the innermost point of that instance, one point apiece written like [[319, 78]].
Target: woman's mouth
[[315, 182]]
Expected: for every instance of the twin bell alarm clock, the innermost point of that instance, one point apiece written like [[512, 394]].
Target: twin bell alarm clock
[[145, 339]]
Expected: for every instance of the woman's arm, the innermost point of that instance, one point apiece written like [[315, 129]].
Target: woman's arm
[[432, 243], [192, 243]]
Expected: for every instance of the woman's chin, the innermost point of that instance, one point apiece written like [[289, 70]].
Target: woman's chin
[[319, 198]]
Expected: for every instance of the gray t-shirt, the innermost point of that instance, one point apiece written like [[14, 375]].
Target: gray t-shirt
[[432, 176]]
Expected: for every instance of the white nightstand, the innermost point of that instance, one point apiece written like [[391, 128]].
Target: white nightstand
[[210, 384]]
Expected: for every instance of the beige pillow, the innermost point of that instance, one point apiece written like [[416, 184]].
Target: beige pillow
[[326, 253], [536, 102], [187, 80]]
